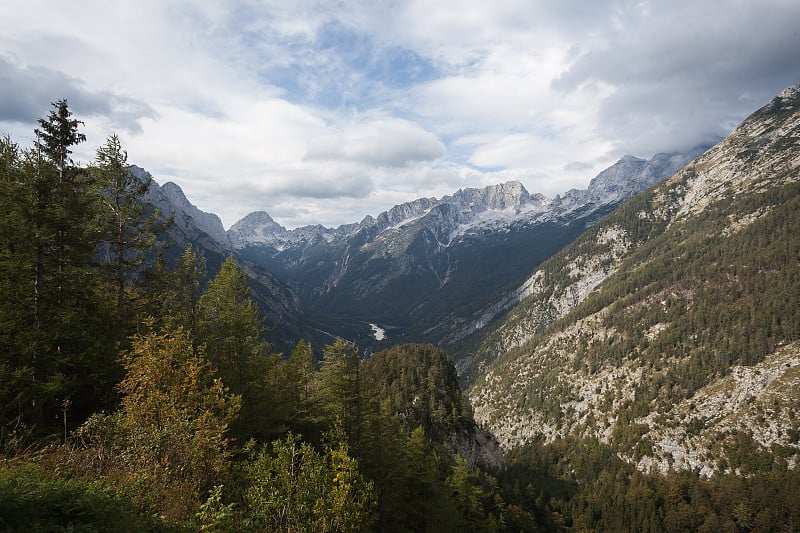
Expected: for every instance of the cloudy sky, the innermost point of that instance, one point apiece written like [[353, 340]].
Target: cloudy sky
[[326, 111]]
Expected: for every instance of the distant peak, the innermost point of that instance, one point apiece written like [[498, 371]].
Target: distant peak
[[630, 159], [139, 173], [174, 191], [257, 217]]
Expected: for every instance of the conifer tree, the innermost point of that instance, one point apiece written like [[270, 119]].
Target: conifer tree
[[16, 310], [58, 134], [230, 328], [340, 389], [183, 289], [60, 336], [300, 377], [128, 223]]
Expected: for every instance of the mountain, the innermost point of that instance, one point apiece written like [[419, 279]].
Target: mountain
[[190, 225], [205, 232], [670, 330], [427, 270], [421, 389]]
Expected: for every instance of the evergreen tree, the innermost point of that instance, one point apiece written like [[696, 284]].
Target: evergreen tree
[[129, 224], [177, 304], [58, 134], [301, 387], [340, 389], [16, 315], [59, 343], [232, 331]]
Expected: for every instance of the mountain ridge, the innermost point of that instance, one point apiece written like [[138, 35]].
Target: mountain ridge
[[440, 262], [629, 175], [634, 327]]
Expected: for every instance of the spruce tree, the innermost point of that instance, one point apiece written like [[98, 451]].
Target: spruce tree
[[340, 389], [63, 338]]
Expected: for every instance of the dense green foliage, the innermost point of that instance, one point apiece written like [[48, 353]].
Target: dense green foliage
[[418, 383], [581, 485], [32, 499], [164, 406], [56, 354], [691, 297]]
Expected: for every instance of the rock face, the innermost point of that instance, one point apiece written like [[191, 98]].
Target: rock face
[[205, 232], [668, 330], [439, 263], [190, 225], [207, 222]]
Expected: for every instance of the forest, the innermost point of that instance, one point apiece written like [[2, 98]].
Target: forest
[[138, 393]]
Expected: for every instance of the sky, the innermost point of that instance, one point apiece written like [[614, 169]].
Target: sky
[[328, 111]]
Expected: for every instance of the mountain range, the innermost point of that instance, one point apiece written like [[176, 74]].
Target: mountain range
[[445, 266]]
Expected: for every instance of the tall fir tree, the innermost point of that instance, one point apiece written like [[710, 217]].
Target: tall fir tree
[[302, 391], [341, 389], [128, 223], [63, 344], [230, 328], [55, 137], [16, 296]]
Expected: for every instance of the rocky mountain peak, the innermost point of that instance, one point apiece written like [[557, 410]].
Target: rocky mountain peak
[[170, 200], [256, 228], [631, 174], [790, 92], [509, 195], [402, 213]]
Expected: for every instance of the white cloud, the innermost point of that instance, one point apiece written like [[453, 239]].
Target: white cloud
[[382, 142]]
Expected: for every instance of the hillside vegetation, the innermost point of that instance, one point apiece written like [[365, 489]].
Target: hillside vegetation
[[688, 292]]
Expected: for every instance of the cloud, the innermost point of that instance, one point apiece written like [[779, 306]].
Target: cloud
[[384, 142], [685, 73], [27, 91]]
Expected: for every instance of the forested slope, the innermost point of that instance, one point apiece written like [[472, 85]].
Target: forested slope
[[692, 282]]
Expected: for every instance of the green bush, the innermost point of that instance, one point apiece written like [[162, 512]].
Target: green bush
[[31, 500]]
